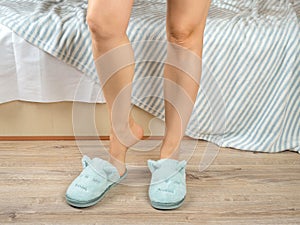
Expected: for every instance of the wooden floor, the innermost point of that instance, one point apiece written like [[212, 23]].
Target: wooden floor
[[239, 187]]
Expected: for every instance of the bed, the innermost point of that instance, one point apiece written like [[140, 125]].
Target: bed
[[249, 97]]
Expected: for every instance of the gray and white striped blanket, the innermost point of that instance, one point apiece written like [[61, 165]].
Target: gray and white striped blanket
[[250, 92]]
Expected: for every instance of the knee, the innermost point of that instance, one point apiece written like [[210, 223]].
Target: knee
[[180, 34], [103, 28], [186, 34]]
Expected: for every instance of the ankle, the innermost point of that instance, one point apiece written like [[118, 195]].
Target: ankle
[[171, 143], [127, 134], [170, 149], [118, 163], [169, 154], [117, 155]]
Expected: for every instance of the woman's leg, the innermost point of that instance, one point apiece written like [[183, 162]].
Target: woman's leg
[[185, 28], [108, 21]]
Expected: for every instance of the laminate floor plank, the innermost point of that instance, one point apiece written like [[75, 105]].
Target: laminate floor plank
[[238, 187]]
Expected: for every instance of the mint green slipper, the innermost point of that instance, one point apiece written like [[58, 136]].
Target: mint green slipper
[[96, 178], [168, 183]]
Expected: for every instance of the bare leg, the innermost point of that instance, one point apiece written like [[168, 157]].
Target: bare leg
[[108, 21], [185, 27]]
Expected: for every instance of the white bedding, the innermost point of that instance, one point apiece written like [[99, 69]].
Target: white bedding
[[30, 74]]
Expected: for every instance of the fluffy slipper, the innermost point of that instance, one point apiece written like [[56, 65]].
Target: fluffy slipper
[[168, 183], [96, 178]]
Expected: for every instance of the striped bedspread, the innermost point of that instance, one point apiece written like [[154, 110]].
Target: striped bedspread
[[250, 89]]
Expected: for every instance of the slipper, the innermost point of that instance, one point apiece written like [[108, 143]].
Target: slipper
[[168, 183], [96, 178]]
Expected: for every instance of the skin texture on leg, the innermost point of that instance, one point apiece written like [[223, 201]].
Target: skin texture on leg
[[185, 28], [107, 22]]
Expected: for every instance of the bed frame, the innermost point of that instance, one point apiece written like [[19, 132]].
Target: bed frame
[[21, 120]]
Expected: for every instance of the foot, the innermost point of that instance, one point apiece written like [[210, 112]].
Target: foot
[[118, 150]]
